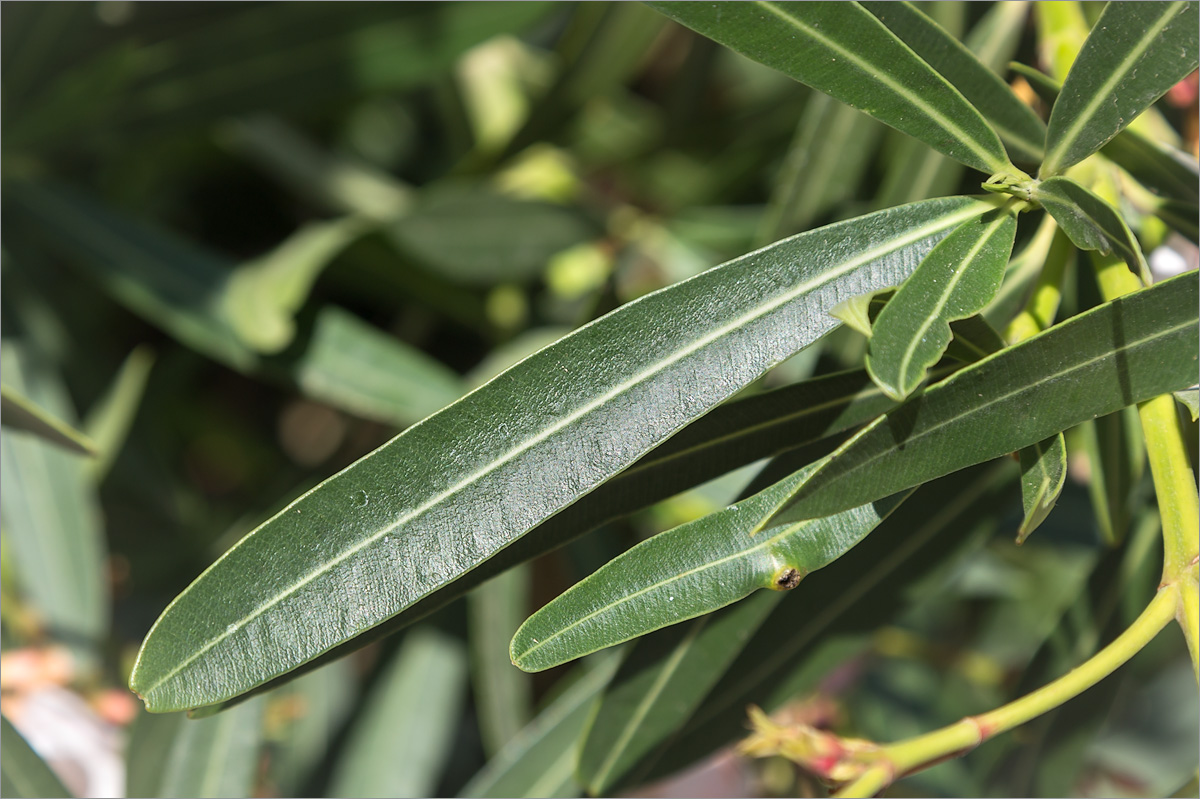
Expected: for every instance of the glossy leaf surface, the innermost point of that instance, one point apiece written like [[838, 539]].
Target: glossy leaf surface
[[1091, 223], [840, 49], [22, 772], [688, 571], [957, 279], [387, 531], [1135, 53], [1112, 356], [1015, 122]]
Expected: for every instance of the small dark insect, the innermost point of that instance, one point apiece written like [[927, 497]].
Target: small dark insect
[[787, 579]]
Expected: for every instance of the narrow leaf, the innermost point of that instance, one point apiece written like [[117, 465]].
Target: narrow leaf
[[840, 49], [1117, 460], [110, 417], [688, 571], [830, 617], [1091, 223], [957, 279], [1015, 122], [510, 454], [22, 772], [399, 744], [20, 413], [1190, 399], [1043, 475], [541, 760], [1117, 354], [1135, 53]]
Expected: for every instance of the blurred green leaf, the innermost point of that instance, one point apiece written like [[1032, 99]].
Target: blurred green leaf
[[22, 772], [1043, 474], [303, 720], [390, 525], [174, 756], [503, 695], [51, 517], [1091, 223], [540, 761], [1116, 453], [1015, 122], [1115, 355], [476, 237], [399, 744], [20, 413], [874, 70], [688, 571], [110, 417], [958, 278], [1190, 398], [660, 683], [1135, 53], [263, 295]]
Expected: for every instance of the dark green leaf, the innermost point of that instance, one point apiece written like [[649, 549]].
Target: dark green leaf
[[1135, 53], [1043, 474], [1016, 123], [840, 49], [20, 413], [540, 761], [22, 772], [957, 279], [386, 532], [1115, 355], [1091, 223], [400, 742], [688, 571]]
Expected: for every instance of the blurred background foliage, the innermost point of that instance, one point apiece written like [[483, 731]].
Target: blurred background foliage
[[244, 244]]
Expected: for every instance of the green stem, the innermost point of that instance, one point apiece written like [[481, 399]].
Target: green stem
[[892, 760], [1046, 296]]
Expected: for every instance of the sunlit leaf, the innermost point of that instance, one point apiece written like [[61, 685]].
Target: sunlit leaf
[[1091, 223], [840, 49], [387, 531], [1135, 53]]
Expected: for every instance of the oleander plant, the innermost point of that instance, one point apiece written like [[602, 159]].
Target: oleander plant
[[549, 399]]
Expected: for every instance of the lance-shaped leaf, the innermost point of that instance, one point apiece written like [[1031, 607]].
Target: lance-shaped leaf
[[1190, 399], [22, 772], [1015, 122], [840, 49], [1114, 355], [688, 571], [1043, 475], [1135, 52], [20, 413], [389, 530], [957, 279], [1090, 222]]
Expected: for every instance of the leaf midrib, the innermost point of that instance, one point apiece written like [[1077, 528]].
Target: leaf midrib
[[917, 234], [981, 408], [972, 144], [1101, 95], [788, 530]]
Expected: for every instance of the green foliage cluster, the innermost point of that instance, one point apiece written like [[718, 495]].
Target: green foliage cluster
[[724, 348]]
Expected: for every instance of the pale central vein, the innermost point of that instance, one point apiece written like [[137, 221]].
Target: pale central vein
[[869, 255]]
